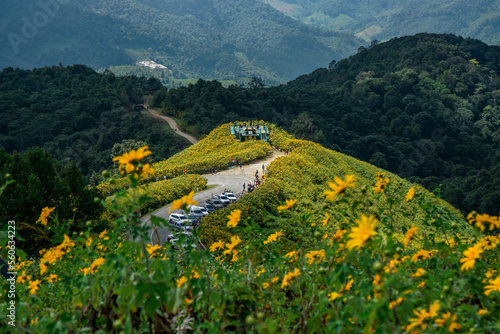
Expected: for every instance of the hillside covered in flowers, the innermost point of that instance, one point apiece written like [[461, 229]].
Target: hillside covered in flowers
[[327, 244]]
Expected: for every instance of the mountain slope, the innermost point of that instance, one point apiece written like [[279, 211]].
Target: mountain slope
[[304, 174], [424, 107], [197, 38], [384, 19]]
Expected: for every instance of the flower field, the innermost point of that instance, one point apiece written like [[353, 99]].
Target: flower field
[[327, 244], [212, 152], [304, 175]]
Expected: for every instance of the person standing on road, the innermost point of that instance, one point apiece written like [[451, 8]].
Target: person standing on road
[[263, 168], [243, 187]]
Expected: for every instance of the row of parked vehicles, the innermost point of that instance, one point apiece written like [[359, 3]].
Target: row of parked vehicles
[[185, 222]]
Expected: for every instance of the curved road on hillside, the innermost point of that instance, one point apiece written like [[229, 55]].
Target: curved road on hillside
[[230, 179], [172, 123]]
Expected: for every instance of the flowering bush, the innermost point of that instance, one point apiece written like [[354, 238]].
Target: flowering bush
[[277, 263]]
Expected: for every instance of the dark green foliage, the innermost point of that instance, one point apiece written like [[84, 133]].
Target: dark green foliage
[[78, 114], [41, 181], [424, 107]]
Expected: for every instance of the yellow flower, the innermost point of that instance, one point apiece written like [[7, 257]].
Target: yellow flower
[[315, 256], [471, 254], [273, 237], [181, 281], [194, 273], [381, 183], [43, 268], [339, 187], [339, 234], [482, 312], [235, 240], [260, 271], [152, 249], [23, 277], [419, 273], [421, 285], [217, 245], [419, 320], [327, 218], [493, 286], [410, 194], [347, 286], [360, 234], [67, 243], [183, 202], [133, 156], [89, 241], [96, 263], [482, 219], [145, 171], [289, 277], [421, 254], [422, 315], [435, 306], [274, 279], [447, 317], [234, 218], [102, 234], [52, 278], [34, 286], [33, 321], [409, 235], [265, 285], [293, 255], [44, 215], [395, 303], [334, 295], [235, 256], [289, 204]]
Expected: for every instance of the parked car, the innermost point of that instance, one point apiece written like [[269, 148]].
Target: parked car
[[196, 211], [184, 226], [231, 197], [204, 210], [216, 203], [225, 201], [207, 206], [177, 217]]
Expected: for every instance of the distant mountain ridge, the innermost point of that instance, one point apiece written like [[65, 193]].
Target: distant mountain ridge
[[384, 19], [193, 38]]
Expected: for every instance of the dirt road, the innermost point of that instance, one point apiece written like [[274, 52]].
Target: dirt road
[[172, 123]]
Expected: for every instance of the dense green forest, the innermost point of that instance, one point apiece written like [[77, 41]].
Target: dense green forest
[[425, 107], [77, 114], [383, 19], [198, 38], [37, 180]]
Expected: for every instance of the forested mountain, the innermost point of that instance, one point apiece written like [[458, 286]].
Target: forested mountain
[[78, 114], [191, 38], [425, 107], [384, 19]]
